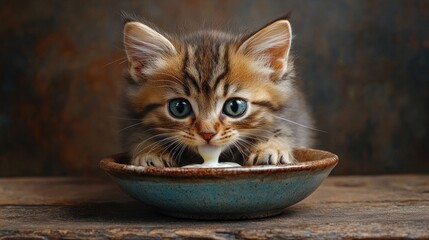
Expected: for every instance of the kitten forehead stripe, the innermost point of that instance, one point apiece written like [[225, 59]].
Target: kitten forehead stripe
[[225, 89], [196, 58], [186, 90], [193, 80], [185, 63], [191, 69], [187, 77], [206, 87], [225, 61], [215, 52]]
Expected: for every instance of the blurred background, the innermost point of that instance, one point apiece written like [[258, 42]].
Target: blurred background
[[364, 66]]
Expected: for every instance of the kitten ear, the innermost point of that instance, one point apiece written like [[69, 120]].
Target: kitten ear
[[271, 45], [145, 48]]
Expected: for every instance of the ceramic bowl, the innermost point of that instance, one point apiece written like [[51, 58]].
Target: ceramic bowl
[[223, 193]]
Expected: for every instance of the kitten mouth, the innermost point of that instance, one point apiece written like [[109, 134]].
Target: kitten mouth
[[211, 145]]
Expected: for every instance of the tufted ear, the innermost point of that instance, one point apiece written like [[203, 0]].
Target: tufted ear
[[271, 46], [145, 48]]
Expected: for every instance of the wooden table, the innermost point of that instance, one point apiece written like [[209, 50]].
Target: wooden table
[[395, 206]]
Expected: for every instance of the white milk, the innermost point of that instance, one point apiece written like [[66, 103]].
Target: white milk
[[211, 154]]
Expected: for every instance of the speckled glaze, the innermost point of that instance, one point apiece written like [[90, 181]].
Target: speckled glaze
[[223, 193]]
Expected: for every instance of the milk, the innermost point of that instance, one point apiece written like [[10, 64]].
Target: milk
[[210, 154]]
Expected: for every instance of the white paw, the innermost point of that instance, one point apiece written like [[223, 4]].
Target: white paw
[[146, 160], [270, 156]]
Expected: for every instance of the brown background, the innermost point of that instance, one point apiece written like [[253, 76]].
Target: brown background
[[364, 67]]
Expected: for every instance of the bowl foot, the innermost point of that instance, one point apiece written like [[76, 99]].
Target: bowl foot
[[222, 216]]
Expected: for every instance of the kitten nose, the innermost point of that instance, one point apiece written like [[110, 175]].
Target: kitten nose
[[207, 135]]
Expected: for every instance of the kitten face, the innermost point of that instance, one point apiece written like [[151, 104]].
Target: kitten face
[[208, 88]]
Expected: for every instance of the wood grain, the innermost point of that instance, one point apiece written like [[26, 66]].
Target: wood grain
[[394, 206]]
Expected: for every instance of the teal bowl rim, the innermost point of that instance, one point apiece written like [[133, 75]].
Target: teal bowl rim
[[308, 160]]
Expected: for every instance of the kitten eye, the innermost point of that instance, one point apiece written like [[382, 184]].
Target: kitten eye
[[235, 107], [179, 108]]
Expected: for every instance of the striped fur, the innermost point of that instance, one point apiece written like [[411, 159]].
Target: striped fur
[[207, 68]]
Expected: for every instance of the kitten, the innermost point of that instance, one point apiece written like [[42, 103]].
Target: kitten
[[211, 87]]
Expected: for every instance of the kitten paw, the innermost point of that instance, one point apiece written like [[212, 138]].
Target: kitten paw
[[146, 160], [270, 156]]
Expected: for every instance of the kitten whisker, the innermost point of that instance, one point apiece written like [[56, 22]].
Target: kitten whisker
[[174, 151], [255, 136], [140, 151], [120, 60], [161, 142], [258, 131], [298, 124], [153, 129], [232, 154], [169, 145], [148, 130], [251, 145], [239, 150], [181, 150], [137, 148], [126, 118], [133, 125], [178, 152], [177, 147], [176, 144], [242, 144], [158, 144]]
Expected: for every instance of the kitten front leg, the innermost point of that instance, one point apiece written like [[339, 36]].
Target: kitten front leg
[[154, 155], [150, 159], [270, 153]]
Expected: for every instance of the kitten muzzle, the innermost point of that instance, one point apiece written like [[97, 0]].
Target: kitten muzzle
[[207, 135]]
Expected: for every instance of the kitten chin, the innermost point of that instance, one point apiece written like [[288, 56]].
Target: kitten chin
[[210, 87]]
